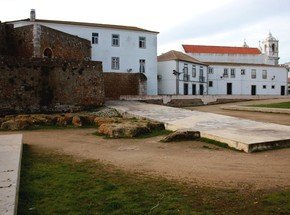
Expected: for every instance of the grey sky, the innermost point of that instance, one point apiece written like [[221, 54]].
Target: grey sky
[[207, 22]]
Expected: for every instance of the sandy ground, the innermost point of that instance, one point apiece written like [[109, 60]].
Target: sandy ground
[[186, 161], [283, 119]]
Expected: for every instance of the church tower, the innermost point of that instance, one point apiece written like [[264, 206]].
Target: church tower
[[270, 47]]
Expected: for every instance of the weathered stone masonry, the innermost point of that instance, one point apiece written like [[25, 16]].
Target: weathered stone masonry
[[49, 85], [117, 84], [33, 40]]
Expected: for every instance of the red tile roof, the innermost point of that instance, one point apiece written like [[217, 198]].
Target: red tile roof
[[220, 49]]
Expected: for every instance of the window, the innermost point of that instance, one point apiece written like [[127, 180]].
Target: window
[[233, 73], [210, 84], [185, 72], [226, 73], [273, 86], [185, 69], [273, 48], [142, 42], [253, 74], [115, 40], [210, 70], [142, 66], [243, 72], [201, 71], [95, 38], [264, 74], [115, 63], [193, 71], [264, 87], [201, 77]]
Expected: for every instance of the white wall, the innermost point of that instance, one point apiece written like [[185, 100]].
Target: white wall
[[241, 84], [167, 84], [128, 51], [233, 58]]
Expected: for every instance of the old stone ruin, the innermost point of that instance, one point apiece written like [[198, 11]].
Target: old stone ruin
[[44, 70], [48, 79]]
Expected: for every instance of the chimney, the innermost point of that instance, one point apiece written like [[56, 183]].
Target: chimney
[[32, 15]]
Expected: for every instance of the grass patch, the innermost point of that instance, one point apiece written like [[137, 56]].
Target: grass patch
[[284, 105], [57, 184], [217, 143]]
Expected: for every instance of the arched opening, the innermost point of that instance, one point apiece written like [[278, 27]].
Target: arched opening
[[273, 47], [142, 84], [47, 53]]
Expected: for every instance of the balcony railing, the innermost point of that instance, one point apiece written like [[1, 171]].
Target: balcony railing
[[185, 77], [201, 79]]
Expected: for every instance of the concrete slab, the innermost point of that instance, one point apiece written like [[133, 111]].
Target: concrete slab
[[10, 164], [242, 134]]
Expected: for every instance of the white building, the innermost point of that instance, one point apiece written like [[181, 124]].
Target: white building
[[120, 48], [181, 74], [242, 70]]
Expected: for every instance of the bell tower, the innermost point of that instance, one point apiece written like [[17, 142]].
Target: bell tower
[[270, 47]]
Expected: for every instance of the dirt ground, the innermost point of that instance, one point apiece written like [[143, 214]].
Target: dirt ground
[[194, 162], [283, 119]]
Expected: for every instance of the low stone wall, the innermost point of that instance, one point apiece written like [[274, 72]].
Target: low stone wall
[[191, 100], [119, 84], [46, 85]]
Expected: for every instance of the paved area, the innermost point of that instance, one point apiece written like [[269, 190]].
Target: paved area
[[10, 160], [242, 134]]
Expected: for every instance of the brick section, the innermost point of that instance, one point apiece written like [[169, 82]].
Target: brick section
[[117, 84], [49, 85]]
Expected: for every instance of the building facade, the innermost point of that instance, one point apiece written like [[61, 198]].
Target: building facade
[[122, 49], [246, 79], [242, 70], [180, 74]]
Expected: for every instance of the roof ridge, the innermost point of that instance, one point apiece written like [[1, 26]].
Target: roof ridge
[[221, 46], [123, 27]]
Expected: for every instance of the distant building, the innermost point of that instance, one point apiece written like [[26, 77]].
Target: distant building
[[242, 70], [179, 73], [122, 49]]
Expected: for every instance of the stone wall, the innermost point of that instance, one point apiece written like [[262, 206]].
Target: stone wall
[[117, 84], [49, 85], [21, 42], [5, 30], [2, 38], [33, 40], [63, 45]]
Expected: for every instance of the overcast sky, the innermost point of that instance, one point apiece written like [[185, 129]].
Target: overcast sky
[[203, 22]]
